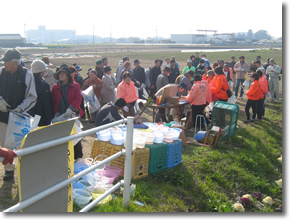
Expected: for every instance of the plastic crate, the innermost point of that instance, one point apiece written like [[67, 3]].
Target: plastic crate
[[140, 163], [174, 153], [140, 158], [158, 156], [225, 115]]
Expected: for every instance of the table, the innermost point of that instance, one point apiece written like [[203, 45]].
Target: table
[[181, 106]]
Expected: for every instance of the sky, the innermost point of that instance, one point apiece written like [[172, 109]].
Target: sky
[[136, 18]]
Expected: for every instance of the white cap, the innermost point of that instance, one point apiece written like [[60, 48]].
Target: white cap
[[38, 66], [189, 61]]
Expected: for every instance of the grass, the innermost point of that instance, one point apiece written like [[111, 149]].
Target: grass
[[212, 179]]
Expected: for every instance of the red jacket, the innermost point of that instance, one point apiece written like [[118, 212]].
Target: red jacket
[[221, 85], [254, 92], [74, 97]]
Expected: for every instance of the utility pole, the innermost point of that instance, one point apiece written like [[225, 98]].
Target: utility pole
[[110, 34], [93, 35], [156, 35], [25, 32]]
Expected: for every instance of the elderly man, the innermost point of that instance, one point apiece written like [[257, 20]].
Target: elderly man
[[241, 68], [273, 72], [188, 67], [17, 93]]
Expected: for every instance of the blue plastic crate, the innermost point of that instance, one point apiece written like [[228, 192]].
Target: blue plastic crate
[[174, 153]]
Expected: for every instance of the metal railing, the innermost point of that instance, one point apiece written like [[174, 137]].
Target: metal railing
[[127, 169]]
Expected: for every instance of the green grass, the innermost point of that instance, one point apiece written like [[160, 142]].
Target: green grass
[[211, 179]]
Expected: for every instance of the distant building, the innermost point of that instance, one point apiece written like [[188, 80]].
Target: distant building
[[11, 40], [189, 38], [41, 35]]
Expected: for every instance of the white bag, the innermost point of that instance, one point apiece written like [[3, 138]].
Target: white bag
[[232, 99], [79, 125], [19, 125], [246, 83], [268, 96], [231, 85], [91, 100]]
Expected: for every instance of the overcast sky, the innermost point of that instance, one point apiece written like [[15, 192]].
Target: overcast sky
[[142, 18]]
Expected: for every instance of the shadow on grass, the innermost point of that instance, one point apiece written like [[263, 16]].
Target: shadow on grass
[[8, 195]]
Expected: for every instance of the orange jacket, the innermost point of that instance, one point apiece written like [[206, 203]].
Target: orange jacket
[[264, 86], [221, 85], [127, 92], [204, 77], [254, 92], [197, 94]]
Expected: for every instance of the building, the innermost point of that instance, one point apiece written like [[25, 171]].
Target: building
[[41, 35], [11, 40], [189, 38]]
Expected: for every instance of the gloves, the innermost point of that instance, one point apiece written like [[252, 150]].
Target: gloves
[[126, 109], [8, 155], [18, 109], [68, 113], [3, 105]]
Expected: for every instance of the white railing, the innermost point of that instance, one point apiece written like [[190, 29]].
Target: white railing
[[127, 169]]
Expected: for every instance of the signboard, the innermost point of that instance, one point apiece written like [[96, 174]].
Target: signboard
[[43, 169]]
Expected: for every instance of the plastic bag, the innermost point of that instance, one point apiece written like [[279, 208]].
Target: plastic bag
[[19, 125], [231, 85], [232, 100], [91, 100], [246, 83], [268, 96]]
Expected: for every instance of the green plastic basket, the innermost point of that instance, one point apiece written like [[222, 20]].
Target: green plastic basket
[[225, 115], [158, 157]]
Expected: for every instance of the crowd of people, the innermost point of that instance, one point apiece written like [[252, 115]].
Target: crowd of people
[[42, 91]]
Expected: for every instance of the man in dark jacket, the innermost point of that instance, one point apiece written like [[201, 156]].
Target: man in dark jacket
[[154, 73], [17, 92], [197, 59], [174, 72], [139, 72], [99, 68], [109, 112], [200, 69]]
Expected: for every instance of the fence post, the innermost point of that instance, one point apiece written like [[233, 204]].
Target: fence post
[[128, 161]]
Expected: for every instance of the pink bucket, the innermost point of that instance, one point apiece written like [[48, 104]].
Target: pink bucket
[[108, 174], [116, 170]]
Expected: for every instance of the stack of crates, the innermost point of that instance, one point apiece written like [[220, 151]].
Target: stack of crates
[[174, 153], [140, 158], [158, 157], [225, 115]]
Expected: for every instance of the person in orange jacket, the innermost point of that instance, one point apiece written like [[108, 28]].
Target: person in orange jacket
[[264, 91], [253, 96], [197, 98], [127, 91], [221, 85]]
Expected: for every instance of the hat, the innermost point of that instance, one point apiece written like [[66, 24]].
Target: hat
[[167, 69], [258, 57], [99, 62], [72, 69], [241, 57], [233, 57], [120, 62], [136, 61], [201, 61], [107, 69], [182, 85], [11, 54], [271, 60], [197, 77], [63, 69], [209, 73], [89, 70], [78, 67], [219, 70], [189, 61], [220, 61], [38, 66]]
